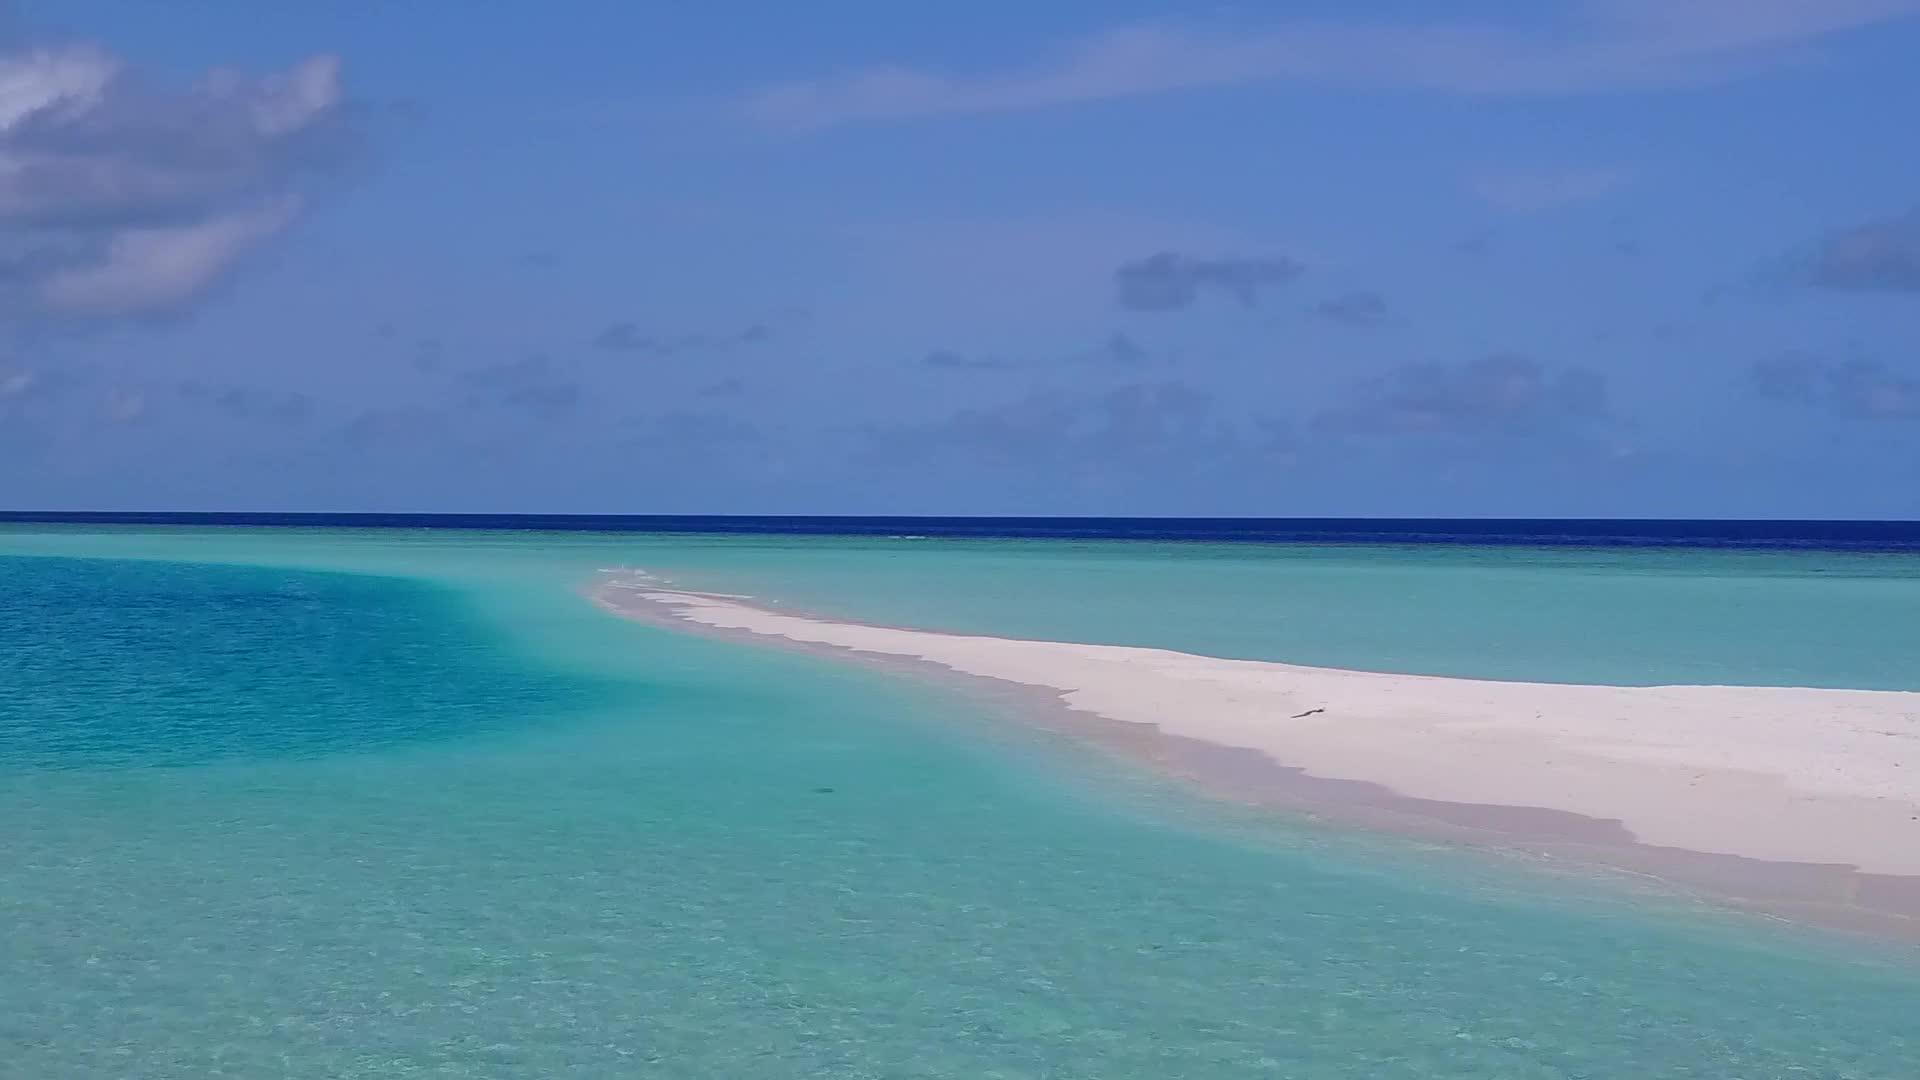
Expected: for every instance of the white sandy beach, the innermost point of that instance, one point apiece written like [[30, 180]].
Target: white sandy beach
[[1778, 774]]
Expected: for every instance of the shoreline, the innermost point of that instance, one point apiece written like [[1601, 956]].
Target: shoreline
[[1735, 794]]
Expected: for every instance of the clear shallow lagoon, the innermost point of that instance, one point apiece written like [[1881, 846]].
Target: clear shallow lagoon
[[335, 803], [1621, 616]]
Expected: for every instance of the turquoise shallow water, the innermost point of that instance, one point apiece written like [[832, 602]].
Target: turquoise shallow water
[[1624, 616], [184, 663], [404, 805]]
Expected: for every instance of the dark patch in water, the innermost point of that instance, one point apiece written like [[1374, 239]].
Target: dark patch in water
[[110, 662]]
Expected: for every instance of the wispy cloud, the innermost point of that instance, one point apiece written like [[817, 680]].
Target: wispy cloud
[[628, 337], [1169, 281], [1528, 190], [1115, 351], [1502, 394], [120, 196], [15, 384], [623, 337], [1582, 47], [1875, 256], [953, 360], [153, 269], [704, 437], [1129, 429], [532, 385], [385, 428], [1858, 389], [1118, 350], [249, 403], [1362, 308], [124, 406]]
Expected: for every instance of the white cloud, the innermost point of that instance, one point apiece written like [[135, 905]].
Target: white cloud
[[122, 196], [1600, 45], [43, 80], [286, 102], [145, 270]]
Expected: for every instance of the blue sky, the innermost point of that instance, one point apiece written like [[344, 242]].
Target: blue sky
[[1607, 257]]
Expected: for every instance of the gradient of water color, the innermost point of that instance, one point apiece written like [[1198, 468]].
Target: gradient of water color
[[338, 803], [1618, 615]]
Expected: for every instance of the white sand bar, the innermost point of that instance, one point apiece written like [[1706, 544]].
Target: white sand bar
[[1780, 774]]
